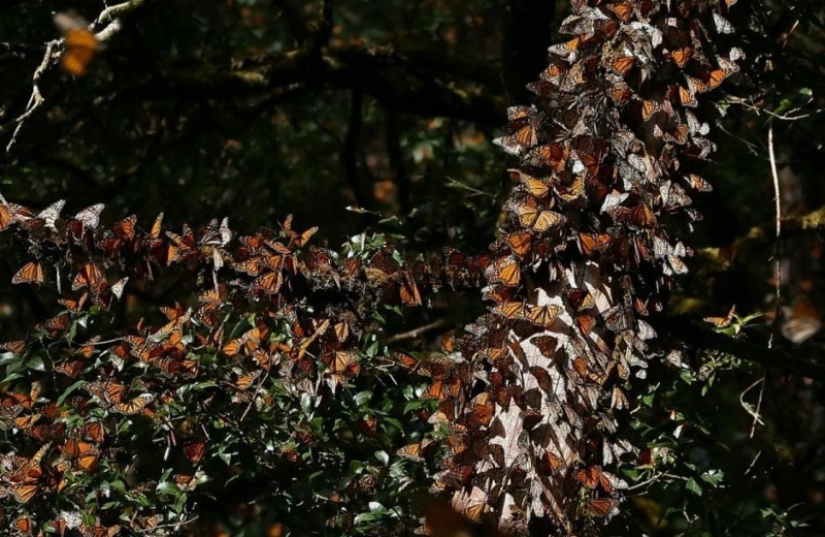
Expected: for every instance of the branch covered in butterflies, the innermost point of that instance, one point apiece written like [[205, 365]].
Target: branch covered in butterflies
[[590, 242], [270, 310]]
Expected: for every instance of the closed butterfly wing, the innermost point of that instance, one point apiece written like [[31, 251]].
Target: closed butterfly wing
[[31, 272]]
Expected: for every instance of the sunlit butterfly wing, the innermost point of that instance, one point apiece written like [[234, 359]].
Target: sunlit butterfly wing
[[31, 272]]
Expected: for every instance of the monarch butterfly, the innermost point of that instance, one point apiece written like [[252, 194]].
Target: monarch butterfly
[[552, 74], [125, 229], [521, 133], [520, 244], [618, 399], [543, 315], [580, 299], [456, 477], [722, 322], [50, 214], [31, 272], [510, 310], [107, 390], [723, 25], [505, 270], [617, 319], [301, 239], [574, 191], [93, 431], [5, 215], [642, 216], [154, 232], [538, 220], [536, 187], [55, 326], [696, 85], [89, 276], [586, 323], [546, 345], [15, 347], [135, 405], [601, 507], [621, 93], [482, 411], [567, 50], [648, 108], [681, 56], [552, 155], [588, 477], [679, 136], [90, 216], [622, 10], [589, 243], [195, 451], [81, 45], [269, 283], [414, 451], [471, 505], [341, 361], [408, 291], [687, 97], [23, 493], [82, 454], [623, 64], [24, 525], [245, 381]]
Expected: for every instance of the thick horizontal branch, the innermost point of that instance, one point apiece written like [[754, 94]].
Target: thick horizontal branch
[[792, 360], [759, 236], [813, 222], [412, 83]]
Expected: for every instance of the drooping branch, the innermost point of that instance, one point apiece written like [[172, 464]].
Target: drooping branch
[[791, 360]]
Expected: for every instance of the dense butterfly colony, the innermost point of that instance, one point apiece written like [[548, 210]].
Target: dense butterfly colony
[[531, 396], [303, 312], [590, 244]]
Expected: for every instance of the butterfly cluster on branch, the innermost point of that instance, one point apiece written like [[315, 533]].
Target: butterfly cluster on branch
[[267, 308], [591, 241]]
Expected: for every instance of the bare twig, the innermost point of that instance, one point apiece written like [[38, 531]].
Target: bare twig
[[748, 408], [254, 396], [790, 116], [36, 100], [778, 234], [112, 13], [412, 334]]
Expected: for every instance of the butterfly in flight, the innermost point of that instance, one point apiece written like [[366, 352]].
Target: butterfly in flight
[[80, 44]]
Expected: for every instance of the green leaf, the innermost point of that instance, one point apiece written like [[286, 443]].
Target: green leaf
[[382, 456], [362, 398], [68, 391], [694, 487]]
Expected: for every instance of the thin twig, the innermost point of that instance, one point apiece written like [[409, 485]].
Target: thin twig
[[778, 234], [777, 277], [111, 13], [747, 407], [36, 100], [254, 396], [784, 117], [412, 334]]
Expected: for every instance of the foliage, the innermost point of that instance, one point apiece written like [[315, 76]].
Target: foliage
[[258, 381]]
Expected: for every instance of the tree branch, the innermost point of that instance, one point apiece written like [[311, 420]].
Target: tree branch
[[793, 360], [382, 73]]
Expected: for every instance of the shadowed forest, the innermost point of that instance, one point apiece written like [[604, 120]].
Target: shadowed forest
[[443, 267]]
